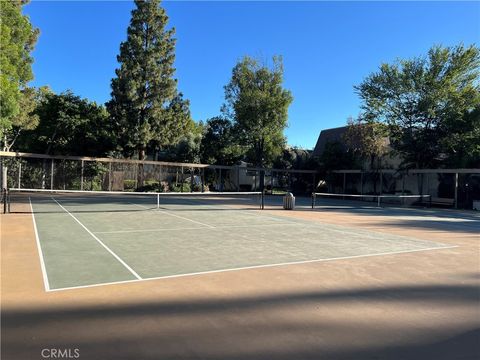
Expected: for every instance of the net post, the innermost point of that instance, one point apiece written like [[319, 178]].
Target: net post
[[158, 201], [313, 200], [262, 200]]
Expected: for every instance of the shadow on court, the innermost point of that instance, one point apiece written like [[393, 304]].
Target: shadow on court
[[414, 218], [251, 328]]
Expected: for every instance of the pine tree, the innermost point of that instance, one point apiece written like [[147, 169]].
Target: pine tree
[[144, 86]]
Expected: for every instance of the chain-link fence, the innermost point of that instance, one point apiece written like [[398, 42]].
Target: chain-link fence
[[454, 188], [36, 171]]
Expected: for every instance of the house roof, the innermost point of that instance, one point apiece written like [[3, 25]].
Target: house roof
[[329, 135]]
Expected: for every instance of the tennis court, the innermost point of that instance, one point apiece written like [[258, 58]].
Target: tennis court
[[347, 279], [86, 239]]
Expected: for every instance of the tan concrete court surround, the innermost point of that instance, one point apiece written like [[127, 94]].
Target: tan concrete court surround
[[413, 305]]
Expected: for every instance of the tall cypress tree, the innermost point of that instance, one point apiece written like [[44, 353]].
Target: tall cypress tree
[[144, 86]]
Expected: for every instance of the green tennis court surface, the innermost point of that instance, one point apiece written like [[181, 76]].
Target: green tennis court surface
[[85, 241]]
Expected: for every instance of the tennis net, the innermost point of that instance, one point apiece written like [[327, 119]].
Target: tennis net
[[378, 200], [46, 200]]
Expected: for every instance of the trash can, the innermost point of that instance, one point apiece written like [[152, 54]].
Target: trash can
[[289, 201], [476, 204]]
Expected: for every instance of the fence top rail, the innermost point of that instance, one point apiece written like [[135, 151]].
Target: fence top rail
[[110, 160], [146, 162], [412, 171], [135, 193], [299, 171], [371, 196]]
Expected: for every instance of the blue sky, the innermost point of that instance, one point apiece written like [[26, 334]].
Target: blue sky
[[327, 48]]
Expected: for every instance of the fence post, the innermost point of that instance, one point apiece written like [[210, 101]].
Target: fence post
[[4, 177], [51, 174], [63, 174], [81, 175], [160, 176], [456, 190], [238, 178], [110, 180], [221, 181], [181, 182], [361, 182], [262, 180], [20, 175], [381, 183], [136, 175], [191, 179], [202, 179], [428, 185]]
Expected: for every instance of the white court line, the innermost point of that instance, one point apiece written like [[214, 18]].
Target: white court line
[[260, 213], [177, 216], [100, 242], [39, 248], [254, 267], [192, 228]]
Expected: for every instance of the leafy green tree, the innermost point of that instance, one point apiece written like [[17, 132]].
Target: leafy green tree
[[144, 100], [187, 149], [257, 104], [335, 157], [292, 158], [17, 39], [423, 100], [462, 143], [219, 144], [69, 125], [368, 140], [27, 118]]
